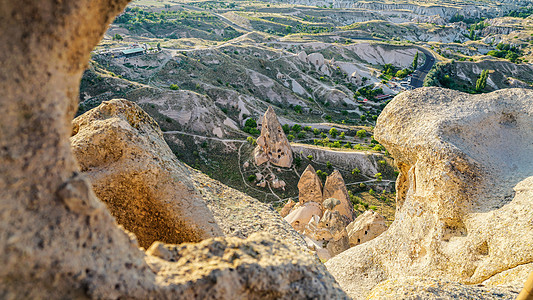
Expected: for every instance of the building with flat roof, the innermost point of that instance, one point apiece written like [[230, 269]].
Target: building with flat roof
[[133, 52]]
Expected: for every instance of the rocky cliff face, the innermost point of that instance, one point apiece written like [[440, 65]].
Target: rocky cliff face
[[57, 239], [463, 195]]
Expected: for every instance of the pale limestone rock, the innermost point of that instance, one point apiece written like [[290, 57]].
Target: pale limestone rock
[[300, 216], [121, 150], [310, 186], [365, 227], [258, 176], [57, 239], [245, 165], [335, 188], [463, 194], [272, 144]]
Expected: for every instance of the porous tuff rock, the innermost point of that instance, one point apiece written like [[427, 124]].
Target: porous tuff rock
[[310, 186], [121, 150], [272, 144], [57, 239], [433, 289], [301, 215], [336, 188], [464, 193], [259, 267], [287, 208], [333, 222], [365, 227]]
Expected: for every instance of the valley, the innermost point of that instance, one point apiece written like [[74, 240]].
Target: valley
[[206, 70]]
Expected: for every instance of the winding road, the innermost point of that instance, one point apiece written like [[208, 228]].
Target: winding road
[[417, 80]]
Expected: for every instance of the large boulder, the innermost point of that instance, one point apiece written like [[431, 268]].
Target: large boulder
[[366, 227], [310, 186], [336, 188], [464, 193], [122, 151], [272, 144], [57, 239]]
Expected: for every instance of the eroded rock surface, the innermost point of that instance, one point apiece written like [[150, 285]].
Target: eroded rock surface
[[336, 188], [57, 239], [121, 150], [435, 289], [272, 144], [464, 193], [366, 227], [310, 186]]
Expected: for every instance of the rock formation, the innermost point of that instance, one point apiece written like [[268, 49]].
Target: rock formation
[[336, 188], [301, 215], [463, 194], [58, 240], [272, 144], [333, 222], [365, 227], [122, 151], [287, 208], [310, 186], [320, 215]]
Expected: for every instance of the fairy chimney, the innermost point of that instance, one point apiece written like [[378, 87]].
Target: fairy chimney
[[272, 145], [310, 186], [335, 188]]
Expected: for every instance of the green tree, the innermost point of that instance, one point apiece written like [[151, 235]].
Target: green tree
[[174, 87], [158, 46], [481, 82], [356, 171], [415, 61], [361, 133], [316, 131], [117, 37]]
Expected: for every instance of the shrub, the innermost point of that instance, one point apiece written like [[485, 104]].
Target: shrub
[[361, 133], [251, 140], [250, 123], [174, 87], [321, 174], [378, 176], [290, 137], [372, 192], [356, 171], [251, 177], [316, 131], [333, 132], [296, 128], [329, 165], [310, 157]]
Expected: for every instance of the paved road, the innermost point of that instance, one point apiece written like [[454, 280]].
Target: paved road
[[417, 80]]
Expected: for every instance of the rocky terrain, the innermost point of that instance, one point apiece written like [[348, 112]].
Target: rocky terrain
[[95, 208], [463, 196], [325, 216], [58, 239]]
